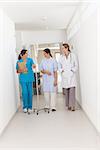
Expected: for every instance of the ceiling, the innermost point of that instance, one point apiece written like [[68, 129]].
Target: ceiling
[[41, 16]]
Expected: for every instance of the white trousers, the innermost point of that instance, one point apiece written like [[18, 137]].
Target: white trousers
[[50, 100]]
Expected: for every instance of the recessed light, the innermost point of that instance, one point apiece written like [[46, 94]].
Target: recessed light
[[44, 18]]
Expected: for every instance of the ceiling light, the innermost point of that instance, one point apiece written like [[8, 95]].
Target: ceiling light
[[44, 18]]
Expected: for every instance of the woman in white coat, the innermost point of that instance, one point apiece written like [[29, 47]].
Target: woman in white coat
[[68, 66]]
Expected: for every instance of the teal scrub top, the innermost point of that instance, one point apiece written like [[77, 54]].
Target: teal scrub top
[[29, 76]]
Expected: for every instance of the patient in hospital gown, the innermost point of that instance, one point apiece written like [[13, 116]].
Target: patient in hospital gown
[[48, 67]]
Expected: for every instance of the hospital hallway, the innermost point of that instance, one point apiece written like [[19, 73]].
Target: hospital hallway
[[62, 129], [36, 25]]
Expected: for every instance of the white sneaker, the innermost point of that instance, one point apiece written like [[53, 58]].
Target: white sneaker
[[30, 110], [25, 110], [46, 107]]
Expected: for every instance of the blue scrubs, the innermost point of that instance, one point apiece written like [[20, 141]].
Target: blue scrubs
[[26, 81]]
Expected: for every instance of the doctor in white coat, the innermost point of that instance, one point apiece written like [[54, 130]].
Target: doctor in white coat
[[68, 66]]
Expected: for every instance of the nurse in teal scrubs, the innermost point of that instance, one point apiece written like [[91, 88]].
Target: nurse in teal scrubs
[[26, 78]]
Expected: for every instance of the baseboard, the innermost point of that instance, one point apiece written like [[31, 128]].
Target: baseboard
[[98, 133], [3, 130]]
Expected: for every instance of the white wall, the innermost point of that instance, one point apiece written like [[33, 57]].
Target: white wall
[[48, 36], [98, 65], [83, 36], [9, 93], [18, 41]]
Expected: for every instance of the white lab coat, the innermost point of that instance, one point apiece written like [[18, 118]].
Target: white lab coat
[[70, 66]]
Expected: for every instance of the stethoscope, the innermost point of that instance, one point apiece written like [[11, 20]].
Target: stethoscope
[[69, 55]]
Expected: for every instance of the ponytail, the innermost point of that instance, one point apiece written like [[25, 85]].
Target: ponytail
[[47, 50], [50, 54], [19, 57], [23, 52]]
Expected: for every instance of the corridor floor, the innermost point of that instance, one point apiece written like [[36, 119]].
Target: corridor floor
[[63, 129]]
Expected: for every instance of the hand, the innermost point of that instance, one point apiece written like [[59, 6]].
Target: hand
[[48, 73], [22, 70], [19, 71], [25, 70], [55, 83], [34, 66]]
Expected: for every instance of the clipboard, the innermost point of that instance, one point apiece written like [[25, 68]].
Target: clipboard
[[22, 66]]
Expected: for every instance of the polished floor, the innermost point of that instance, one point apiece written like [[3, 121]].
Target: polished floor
[[61, 130]]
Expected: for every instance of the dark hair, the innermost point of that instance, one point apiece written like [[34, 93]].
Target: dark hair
[[66, 46], [47, 50], [23, 52]]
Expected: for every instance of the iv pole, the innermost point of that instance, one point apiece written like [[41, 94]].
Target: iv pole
[[36, 75]]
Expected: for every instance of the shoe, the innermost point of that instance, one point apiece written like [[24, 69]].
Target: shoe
[[46, 107], [25, 110], [53, 109], [72, 108], [30, 111], [69, 108]]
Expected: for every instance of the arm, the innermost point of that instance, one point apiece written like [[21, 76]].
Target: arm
[[74, 67], [55, 72], [20, 69], [60, 65], [46, 72], [41, 68], [34, 66], [55, 78]]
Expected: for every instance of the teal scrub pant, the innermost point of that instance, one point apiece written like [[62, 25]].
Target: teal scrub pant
[[27, 89]]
